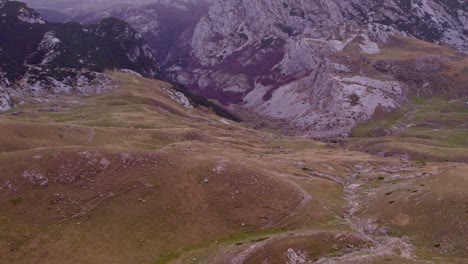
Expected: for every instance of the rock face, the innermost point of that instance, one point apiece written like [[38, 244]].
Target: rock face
[[29, 16], [39, 57], [296, 62]]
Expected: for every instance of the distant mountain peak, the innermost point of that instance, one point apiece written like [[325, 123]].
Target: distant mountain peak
[[37, 56]]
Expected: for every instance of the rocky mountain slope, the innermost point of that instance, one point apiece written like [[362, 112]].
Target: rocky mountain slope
[[308, 65], [37, 56]]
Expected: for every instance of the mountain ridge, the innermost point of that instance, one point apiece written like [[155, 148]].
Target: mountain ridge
[[309, 68], [243, 52], [38, 56]]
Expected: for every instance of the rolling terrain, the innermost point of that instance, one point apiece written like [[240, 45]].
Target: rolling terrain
[[332, 133], [142, 175]]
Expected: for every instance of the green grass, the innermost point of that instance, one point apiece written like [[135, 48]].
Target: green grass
[[165, 258], [16, 200], [371, 128], [382, 120], [433, 128], [235, 239]]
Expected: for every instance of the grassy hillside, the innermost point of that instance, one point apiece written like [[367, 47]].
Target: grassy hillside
[[432, 124], [133, 177], [425, 129]]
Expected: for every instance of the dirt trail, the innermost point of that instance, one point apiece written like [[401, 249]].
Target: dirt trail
[[306, 197], [382, 244]]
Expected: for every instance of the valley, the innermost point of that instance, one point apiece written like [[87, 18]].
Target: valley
[[232, 132], [136, 175]]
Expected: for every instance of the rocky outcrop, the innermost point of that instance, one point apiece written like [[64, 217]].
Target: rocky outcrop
[[61, 81], [29, 16], [314, 94]]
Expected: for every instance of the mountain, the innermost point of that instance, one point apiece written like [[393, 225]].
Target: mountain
[[305, 67], [314, 69], [64, 5], [38, 56], [53, 16], [161, 23]]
